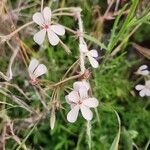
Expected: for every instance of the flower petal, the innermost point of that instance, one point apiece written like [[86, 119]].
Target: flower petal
[[77, 85], [58, 29], [144, 72], [40, 36], [52, 37], [86, 112], [139, 87], [38, 18], [93, 53], [47, 14], [73, 96], [83, 48], [91, 102], [40, 70], [73, 114], [83, 92], [33, 65], [143, 67], [72, 104], [67, 100], [142, 93], [93, 62]]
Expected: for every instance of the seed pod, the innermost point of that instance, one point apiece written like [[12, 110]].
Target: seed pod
[[52, 118]]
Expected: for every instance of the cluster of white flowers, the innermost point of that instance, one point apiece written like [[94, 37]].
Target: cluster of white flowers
[[79, 98], [144, 90]]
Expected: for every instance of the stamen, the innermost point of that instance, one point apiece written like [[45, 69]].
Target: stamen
[[46, 26], [79, 102]]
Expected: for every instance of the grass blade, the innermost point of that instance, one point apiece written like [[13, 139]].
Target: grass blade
[[115, 143]]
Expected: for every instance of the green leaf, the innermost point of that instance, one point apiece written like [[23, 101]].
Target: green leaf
[[127, 139], [124, 28], [115, 143], [90, 38], [24, 140]]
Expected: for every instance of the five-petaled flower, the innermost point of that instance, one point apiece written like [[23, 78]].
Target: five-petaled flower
[[92, 55], [35, 70], [79, 100], [144, 89], [43, 19], [143, 70]]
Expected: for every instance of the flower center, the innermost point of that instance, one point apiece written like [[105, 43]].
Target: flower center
[[79, 102], [33, 81], [46, 26]]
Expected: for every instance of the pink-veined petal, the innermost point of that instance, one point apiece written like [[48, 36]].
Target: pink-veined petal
[[40, 36], [47, 14], [145, 72], [73, 96], [139, 87], [83, 92], [143, 67], [142, 93], [83, 48], [73, 114], [93, 53], [52, 37], [77, 85], [93, 62], [72, 104], [91, 102], [38, 18], [58, 29], [33, 65], [67, 100], [40, 70], [86, 112]]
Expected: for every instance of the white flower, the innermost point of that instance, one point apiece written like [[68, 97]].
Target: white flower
[[79, 100], [43, 19], [143, 70], [35, 70], [92, 54], [144, 89], [77, 85]]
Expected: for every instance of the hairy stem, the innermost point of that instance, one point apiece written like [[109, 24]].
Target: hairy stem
[[65, 80], [7, 37]]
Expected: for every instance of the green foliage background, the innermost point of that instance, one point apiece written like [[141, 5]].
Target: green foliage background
[[113, 84]]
